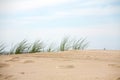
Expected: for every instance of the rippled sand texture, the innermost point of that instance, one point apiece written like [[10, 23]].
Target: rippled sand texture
[[68, 65]]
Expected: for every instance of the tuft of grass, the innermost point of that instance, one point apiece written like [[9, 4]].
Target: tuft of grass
[[65, 44], [37, 46], [79, 44], [2, 47], [12, 50], [19, 48], [50, 48]]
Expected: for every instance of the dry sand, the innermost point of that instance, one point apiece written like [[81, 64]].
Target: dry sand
[[68, 65]]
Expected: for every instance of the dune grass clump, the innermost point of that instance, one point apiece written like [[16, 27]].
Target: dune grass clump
[[73, 44], [65, 44], [2, 47], [37, 46], [19, 48], [79, 44], [50, 48]]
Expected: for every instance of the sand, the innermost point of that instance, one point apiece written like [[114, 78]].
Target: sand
[[67, 65]]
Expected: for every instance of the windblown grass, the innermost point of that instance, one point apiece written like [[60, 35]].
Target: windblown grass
[[2, 47], [75, 44], [50, 48], [37, 46], [65, 44], [79, 44], [19, 48]]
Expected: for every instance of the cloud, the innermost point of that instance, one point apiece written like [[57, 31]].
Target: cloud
[[22, 21], [88, 3], [92, 8], [86, 8], [110, 10], [23, 5], [92, 11]]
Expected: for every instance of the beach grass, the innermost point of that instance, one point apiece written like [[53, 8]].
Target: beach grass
[[73, 44], [37, 46], [2, 48], [64, 44], [79, 44], [67, 43], [21, 47], [50, 48]]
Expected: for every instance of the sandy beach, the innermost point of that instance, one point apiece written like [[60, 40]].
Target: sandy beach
[[67, 65]]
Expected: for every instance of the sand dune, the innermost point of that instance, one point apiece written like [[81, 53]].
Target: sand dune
[[67, 65]]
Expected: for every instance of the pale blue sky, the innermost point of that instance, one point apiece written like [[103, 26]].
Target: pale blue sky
[[98, 20]]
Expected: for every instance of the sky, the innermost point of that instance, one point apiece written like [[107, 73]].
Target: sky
[[51, 20]]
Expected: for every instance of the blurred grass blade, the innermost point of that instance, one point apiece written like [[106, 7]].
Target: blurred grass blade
[[84, 46], [2, 47], [65, 45], [21, 47], [50, 48], [79, 44], [37, 46]]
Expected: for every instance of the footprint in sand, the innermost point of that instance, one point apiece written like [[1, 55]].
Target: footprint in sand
[[62, 59], [6, 77], [22, 72], [2, 65], [118, 78], [65, 66], [14, 59], [114, 65], [28, 61], [1, 75]]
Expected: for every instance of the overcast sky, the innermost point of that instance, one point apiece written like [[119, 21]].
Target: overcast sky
[[98, 20]]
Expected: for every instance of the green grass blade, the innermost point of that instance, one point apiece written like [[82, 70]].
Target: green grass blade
[[21, 47], [65, 45], [2, 48], [37, 46]]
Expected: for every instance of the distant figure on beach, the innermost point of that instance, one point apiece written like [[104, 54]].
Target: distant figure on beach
[[104, 48]]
